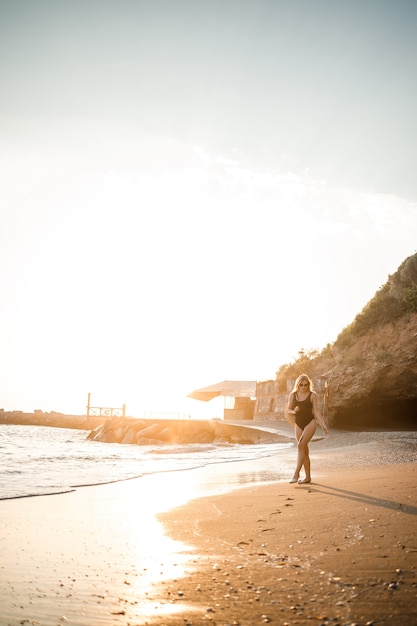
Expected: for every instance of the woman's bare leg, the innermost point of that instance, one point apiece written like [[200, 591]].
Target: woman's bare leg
[[307, 466], [303, 437]]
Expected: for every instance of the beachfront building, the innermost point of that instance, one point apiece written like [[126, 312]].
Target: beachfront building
[[272, 395], [239, 397], [262, 400]]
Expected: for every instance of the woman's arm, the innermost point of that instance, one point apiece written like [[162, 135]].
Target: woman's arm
[[290, 405], [291, 412], [317, 414]]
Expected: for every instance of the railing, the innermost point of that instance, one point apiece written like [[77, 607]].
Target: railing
[[104, 411]]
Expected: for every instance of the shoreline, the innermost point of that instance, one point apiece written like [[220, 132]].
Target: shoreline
[[91, 556], [153, 551], [341, 550]]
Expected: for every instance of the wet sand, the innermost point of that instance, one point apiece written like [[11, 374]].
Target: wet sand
[[342, 550]]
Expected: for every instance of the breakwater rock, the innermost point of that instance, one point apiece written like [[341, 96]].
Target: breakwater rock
[[157, 432]]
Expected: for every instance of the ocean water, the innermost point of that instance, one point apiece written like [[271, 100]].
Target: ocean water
[[39, 460]]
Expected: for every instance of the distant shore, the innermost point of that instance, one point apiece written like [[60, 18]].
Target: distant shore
[[341, 550], [53, 419]]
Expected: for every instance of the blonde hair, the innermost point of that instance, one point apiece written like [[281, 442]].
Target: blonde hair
[[301, 378]]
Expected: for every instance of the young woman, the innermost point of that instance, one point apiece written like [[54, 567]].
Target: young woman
[[303, 407]]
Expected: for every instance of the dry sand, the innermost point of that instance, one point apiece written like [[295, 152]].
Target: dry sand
[[342, 550]]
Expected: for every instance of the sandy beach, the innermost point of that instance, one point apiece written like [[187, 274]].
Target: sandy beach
[[341, 550]]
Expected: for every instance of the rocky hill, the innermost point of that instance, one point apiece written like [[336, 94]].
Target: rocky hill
[[372, 366]]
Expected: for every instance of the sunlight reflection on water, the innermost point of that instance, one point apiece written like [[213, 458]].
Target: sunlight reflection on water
[[102, 549], [164, 558]]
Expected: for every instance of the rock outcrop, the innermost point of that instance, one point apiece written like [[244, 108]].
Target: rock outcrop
[[371, 369], [373, 383]]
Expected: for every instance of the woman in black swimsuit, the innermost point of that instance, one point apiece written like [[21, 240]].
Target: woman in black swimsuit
[[302, 404]]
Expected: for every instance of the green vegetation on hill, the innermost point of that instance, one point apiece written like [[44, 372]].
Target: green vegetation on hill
[[394, 300]]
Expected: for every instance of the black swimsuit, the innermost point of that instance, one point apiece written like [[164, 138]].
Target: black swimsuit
[[304, 416]]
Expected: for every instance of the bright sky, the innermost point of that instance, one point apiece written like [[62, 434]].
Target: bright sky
[[193, 191]]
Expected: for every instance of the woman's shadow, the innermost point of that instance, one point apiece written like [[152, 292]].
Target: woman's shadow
[[363, 498]]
